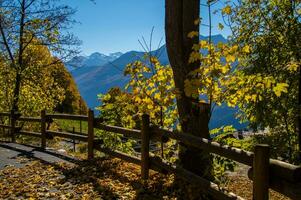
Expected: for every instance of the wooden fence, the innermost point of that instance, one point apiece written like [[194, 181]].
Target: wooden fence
[[265, 172]]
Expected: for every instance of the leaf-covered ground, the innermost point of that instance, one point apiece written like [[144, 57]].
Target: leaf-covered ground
[[242, 186], [98, 179], [102, 179]]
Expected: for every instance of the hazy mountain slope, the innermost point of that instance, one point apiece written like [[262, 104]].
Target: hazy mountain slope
[[76, 62], [93, 80]]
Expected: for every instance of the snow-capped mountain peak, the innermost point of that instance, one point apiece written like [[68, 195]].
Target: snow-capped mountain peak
[[95, 59]]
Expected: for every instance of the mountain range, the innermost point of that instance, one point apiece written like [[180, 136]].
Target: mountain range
[[95, 59], [98, 73]]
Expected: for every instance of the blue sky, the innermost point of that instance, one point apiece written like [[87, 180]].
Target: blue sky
[[109, 26]]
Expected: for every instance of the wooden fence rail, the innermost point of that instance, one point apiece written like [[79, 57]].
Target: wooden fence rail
[[5, 114], [265, 172], [30, 119], [235, 154], [68, 117]]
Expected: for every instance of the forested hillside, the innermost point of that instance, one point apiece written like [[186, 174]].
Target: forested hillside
[[33, 76], [51, 87], [73, 102]]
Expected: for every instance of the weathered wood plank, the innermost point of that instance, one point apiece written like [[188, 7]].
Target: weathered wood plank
[[4, 114], [68, 117], [75, 132], [30, 119], [285, 170], [126, 157], [285, 178], [136, 134], [261, 174], [68, 135], [5, 126], [278, 168], [145, 140], [9, 127], [90, 134], [285, 187], [30, 133], [207, 186], [13, 125], [43, 129], [235, 154], [120, 155], [291, 190]]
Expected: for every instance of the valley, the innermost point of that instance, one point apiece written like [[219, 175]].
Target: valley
[[97, 73]]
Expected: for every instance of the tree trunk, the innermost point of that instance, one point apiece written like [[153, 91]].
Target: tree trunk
[[299, 117], [194, 117], [16, 93], [20, 66]]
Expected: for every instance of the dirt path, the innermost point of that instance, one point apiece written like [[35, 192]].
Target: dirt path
[[12, 154]]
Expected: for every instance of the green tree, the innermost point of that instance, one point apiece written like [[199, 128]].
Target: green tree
[[258, 70], [26, 23], [39, 88], [150, 90], [272, 29], [118, 108], [153, 90]]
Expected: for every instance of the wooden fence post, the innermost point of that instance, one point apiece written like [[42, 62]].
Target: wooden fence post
[[145, 140], [43, 129], [73, 131], [13, 125], [261, 172], [90, 134]]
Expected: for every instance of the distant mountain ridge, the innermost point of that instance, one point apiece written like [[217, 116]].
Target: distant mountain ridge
[[95, 59], [93, 77]]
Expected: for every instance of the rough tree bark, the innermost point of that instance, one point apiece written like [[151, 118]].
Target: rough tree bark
[[180, 17]]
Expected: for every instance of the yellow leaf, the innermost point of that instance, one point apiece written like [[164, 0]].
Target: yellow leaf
[[136, 91], [227, 10], [151, 84], [293, 66], [150, 106], [193, 34], [157, 96], [138, 99], [147, 100], [197, 21], [246, 49], [220, 26], [254, 97], [160, 73], [280, 88], [203, 43], [230, 58]]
